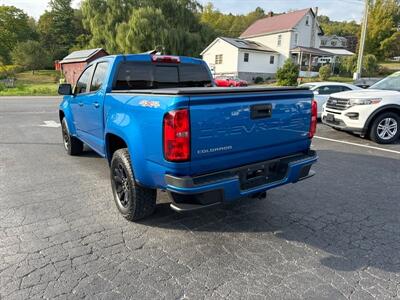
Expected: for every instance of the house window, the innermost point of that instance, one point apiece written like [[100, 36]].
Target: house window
[[333, 43], [246, 57], [272, 59], [279, 40], [296, 38], [218, 59], [308, 20]]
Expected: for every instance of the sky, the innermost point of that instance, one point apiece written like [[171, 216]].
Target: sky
[[340, 10]]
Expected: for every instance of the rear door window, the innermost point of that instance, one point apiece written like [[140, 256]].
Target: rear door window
[[82, 85], [99, 76]]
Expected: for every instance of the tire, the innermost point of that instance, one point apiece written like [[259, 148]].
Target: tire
[[72, 145], [386, 128], [134, 202]]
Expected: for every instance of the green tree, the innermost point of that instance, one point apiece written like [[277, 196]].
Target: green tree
[[126, 26], [340, 28], [228, 25], [59, 28], [390, 46], [15, 26], [325, 72], [30, 55], [287, 75], [146, 30], [383, 19]]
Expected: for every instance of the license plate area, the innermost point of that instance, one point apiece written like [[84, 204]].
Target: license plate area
[[330, 118], [258, 175]]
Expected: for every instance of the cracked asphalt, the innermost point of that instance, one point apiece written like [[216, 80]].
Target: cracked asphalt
[[335, 236]]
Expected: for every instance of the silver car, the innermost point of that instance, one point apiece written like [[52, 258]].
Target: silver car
[[322, 90]]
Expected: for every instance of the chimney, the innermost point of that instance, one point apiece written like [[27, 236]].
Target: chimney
[[270, 14]]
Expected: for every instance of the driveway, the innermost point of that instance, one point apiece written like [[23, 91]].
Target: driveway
[[335, 236]]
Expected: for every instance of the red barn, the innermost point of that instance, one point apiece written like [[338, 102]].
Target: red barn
[[73, 64]]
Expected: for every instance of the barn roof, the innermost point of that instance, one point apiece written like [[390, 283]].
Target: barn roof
[[81, 55], [277, 23]]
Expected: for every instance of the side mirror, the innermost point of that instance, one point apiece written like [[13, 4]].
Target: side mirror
[[316, 92], [65, 89]]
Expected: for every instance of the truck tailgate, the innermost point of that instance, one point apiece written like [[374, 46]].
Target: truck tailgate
[[234, 129]]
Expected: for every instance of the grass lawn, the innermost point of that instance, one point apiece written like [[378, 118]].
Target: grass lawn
[[41, 83], [333, 78], [392, 66]]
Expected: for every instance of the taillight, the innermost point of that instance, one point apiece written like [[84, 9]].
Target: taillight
[[177, 135], [314, 116], [165, 59]]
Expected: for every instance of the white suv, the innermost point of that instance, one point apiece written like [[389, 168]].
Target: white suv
[[373, 112]]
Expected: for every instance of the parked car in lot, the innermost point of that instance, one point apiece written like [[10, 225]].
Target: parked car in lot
[[322, 91], [229, 82], [373, 112], [161, 127]]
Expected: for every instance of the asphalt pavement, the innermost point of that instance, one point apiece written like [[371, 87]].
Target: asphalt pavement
[[334, 236]]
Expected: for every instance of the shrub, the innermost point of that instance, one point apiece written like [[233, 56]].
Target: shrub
[[325, 72], [370, 65], [258, 80], [287, 74], [2, 86]]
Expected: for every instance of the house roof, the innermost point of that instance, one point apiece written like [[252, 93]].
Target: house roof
[[310, 50], [241, 44], [81, 55], [277, 23], [330, 37], [337, 51], [247, 45]]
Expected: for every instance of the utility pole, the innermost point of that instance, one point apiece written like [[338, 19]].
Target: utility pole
[[357, 75]]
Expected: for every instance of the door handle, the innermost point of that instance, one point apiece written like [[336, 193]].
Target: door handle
[[261, 111], [80, 103], [96, 104]]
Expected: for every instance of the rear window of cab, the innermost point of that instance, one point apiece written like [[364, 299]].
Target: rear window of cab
[[147, 75]]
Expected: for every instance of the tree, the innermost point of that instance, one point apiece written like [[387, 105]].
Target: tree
[[340, 28], [229, 25], [59, 28], [30, 55], [15, 26], [146, 30], [390, 46], [287, 74], [383, 19], [136, 25]]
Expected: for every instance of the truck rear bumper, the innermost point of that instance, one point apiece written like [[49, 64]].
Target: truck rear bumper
[[189, 193]]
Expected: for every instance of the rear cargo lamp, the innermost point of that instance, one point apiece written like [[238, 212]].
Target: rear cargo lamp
[[177, 135], [165, 59], [314, 116]]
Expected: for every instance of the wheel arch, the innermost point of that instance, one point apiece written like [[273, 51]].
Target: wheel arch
[[114, 142], [384, 109]]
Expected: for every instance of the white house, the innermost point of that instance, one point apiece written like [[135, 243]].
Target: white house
[[295, 35], [239, 57]]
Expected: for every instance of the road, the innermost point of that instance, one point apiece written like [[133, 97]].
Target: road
[[335, 236]]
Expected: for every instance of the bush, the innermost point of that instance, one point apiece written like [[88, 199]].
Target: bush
[[2, 86], [287, 74], [370, 65], [258, 80], [325, 72]]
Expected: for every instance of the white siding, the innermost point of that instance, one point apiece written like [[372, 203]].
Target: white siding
[[304, 33], [271, 41], [259, 62], [229, 58]]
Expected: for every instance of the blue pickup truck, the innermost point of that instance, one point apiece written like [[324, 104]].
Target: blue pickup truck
[[161, 124]]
